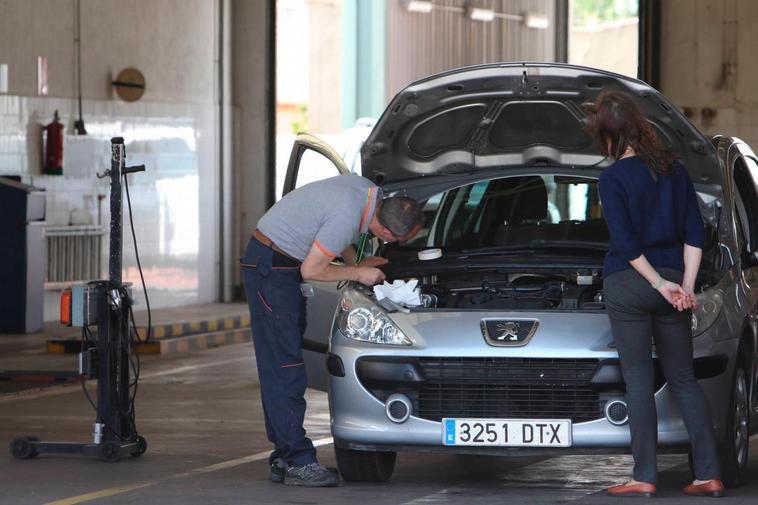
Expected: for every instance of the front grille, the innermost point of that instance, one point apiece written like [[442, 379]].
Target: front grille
[[508, 388]]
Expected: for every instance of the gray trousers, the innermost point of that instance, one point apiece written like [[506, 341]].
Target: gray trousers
[[637, 311]]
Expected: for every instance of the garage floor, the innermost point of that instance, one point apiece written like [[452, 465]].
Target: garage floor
[[201, 416]]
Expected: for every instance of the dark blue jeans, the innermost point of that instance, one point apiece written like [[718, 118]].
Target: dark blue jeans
[[277, 314], [638, 312]]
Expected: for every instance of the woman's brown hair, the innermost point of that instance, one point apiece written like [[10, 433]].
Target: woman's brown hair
[[616, 123]]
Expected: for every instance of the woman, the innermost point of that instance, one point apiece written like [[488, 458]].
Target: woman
[[656, 239]]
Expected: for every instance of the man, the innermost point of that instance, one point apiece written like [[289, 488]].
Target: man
[[296, 240]]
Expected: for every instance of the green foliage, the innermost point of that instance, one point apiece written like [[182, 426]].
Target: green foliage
[[587, 12], [300, 125]]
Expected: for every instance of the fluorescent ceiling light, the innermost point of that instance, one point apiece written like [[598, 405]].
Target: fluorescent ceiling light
[[424, 6], [479, 14], [535, 20]]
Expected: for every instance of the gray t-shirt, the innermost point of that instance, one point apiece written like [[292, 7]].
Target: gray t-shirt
[[330, 213]]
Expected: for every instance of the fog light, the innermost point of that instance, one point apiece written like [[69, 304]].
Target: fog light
[[398, 408], [617, 412]]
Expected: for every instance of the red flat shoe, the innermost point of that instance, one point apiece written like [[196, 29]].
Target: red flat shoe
[[713, 488], [640, 489]]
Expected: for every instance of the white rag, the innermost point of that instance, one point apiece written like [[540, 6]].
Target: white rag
[[400, 291]]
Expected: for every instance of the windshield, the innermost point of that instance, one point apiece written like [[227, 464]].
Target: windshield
[[512, 212]]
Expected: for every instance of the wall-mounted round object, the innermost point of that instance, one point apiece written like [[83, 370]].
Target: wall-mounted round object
[[129, 85]]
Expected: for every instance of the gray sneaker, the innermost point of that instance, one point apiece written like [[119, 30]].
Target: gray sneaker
[[311, 475]]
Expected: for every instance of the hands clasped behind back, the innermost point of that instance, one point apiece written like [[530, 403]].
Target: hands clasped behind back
[[682, 299]]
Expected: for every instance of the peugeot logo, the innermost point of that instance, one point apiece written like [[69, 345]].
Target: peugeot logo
[[505, 332]]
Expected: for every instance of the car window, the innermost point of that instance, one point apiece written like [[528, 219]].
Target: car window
[[514, 211], [747, 208], [741, 237], [431, 206]]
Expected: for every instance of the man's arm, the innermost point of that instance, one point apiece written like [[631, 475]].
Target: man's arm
[[349, 255], [317, 266]]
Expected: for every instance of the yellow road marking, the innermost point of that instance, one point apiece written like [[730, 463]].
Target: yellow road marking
[[111, 491], [99, 494]]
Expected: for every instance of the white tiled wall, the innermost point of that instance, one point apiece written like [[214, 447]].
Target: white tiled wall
[[174, 201]]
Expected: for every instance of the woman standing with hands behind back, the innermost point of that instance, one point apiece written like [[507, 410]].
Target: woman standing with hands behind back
[[656, 239]]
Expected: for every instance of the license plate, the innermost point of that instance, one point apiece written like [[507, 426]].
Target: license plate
[[507, 432]]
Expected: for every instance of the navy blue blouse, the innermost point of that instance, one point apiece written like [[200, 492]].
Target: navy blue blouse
[[645, 216]]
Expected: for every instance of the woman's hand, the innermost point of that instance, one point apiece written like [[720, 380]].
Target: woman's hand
[[675, 295], [690, 290], [373, 261]]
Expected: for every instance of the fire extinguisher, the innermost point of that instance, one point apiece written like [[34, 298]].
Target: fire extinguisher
[[53, 142]]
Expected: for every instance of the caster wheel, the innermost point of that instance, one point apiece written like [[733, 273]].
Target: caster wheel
[[110, 452], [34, 449], [141, 447], [21, 448]]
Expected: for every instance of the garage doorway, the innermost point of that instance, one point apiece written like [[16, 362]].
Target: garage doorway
[[605, 34]]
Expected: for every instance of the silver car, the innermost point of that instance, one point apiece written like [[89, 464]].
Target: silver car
[[511, 350]]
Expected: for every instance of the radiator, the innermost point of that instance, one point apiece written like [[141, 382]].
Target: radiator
[[74, 254]]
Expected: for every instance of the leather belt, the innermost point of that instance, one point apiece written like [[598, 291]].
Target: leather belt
[[263, 239]]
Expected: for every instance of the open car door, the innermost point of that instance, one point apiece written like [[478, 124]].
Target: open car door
[[311, 160]]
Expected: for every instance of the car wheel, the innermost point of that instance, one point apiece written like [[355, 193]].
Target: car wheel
[[734, 447], [365, 466]]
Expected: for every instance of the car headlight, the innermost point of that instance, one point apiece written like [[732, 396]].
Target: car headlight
[[709, 307], [361, 319]]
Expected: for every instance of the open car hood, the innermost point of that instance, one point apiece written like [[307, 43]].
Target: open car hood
[[514, 115]]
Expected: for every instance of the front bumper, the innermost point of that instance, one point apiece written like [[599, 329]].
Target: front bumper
[[359, 419]]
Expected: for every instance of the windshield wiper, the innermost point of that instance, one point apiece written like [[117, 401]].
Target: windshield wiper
[[540, 244]]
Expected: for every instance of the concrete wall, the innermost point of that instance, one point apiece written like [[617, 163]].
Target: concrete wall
[[170, 41], [708, 62], [172, 129]]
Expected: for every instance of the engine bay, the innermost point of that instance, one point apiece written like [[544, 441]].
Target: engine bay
[[504, 290]]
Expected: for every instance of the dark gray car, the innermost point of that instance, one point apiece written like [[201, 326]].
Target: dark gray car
[[512, 350]]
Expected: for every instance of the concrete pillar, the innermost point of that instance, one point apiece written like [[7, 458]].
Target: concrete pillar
[[252, 76]]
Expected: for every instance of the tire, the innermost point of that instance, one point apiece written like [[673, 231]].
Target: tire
[[365, 466], [21, 448], [34, 450], [734, 448], [110, 452], [141, 447]]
